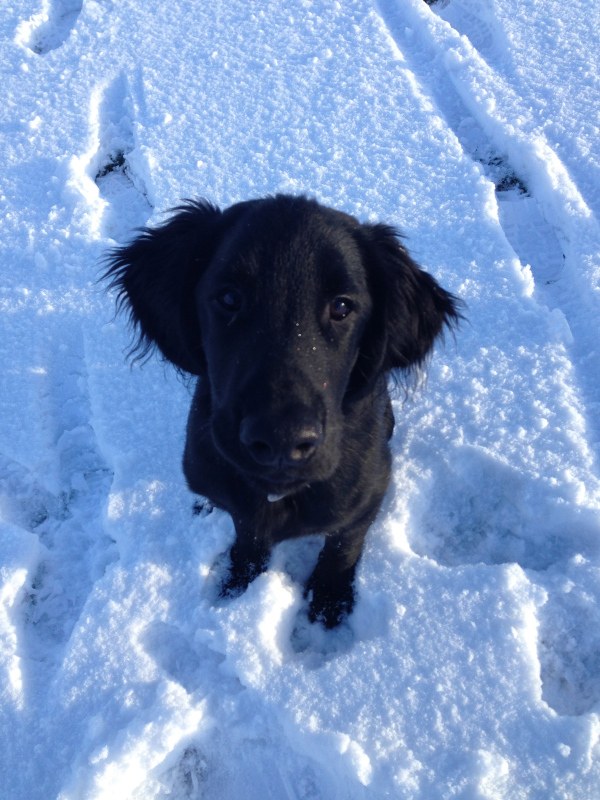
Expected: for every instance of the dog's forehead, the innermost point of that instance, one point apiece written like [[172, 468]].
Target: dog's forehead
[[292, 247]]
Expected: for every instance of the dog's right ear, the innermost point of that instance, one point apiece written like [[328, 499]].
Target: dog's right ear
[[155, 276]]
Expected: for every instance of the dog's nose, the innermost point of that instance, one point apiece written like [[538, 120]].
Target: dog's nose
[[277, 446]]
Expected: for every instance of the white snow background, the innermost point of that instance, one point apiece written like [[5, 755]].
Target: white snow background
[[471, 665]]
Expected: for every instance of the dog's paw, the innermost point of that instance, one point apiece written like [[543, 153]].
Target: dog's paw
[[240, 577], [327, 607], [202, 508], [234, 586]]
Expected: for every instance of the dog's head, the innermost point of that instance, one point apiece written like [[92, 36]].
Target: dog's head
[[291, 311]]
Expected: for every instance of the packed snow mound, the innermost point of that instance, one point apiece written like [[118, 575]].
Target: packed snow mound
[[471, 665]]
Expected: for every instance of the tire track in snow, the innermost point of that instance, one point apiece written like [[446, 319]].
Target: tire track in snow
[[49, 29], [494, 526]]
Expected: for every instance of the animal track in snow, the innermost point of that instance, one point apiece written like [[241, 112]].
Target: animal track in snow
[[49, 29], [123, 189]]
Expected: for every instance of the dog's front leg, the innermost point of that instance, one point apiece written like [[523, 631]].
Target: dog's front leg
[[249, 557], [330, 587]]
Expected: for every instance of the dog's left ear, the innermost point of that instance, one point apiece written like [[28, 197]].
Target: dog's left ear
[[410, 308]]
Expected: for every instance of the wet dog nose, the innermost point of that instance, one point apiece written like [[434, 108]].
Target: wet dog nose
[[280, 446]]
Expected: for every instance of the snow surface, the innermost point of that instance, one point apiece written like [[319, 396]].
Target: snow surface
[[471, 666]]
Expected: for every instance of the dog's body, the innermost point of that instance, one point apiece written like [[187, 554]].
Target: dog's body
[[292, 315]]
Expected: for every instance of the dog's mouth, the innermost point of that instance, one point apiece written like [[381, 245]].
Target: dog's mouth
[[280, 494], [273, 498], [278, 490]]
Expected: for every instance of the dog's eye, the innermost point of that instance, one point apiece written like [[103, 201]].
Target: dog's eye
[[229, 300], [339, 308]]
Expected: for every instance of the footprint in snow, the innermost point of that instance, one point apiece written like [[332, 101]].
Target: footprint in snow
[[49, 29], [474, 20], [569, 640], [114, 165], [63, 503]]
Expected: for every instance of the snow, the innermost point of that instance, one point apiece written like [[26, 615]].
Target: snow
[[471, 665]]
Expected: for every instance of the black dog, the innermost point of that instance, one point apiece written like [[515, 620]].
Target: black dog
[[292, 316]]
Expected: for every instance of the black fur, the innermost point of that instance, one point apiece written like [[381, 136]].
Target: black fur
[[292, 315]]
